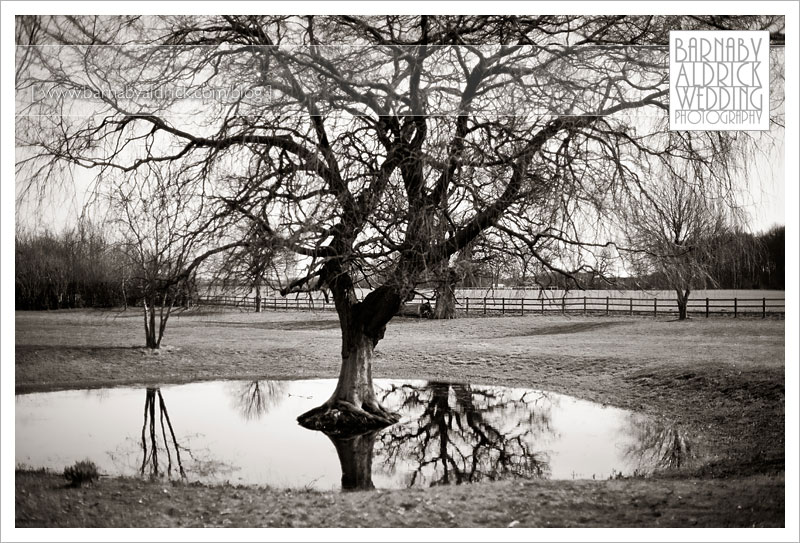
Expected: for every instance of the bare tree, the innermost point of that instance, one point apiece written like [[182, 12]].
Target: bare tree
[[677, 228], [164, 229], [375, 148]]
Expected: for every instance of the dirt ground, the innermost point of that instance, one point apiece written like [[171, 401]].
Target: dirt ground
[[720, 380], [42, 500]]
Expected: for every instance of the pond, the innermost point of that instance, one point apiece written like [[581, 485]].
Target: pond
[[245, 432]]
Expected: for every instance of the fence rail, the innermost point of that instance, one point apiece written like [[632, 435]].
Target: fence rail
[[586, 305]]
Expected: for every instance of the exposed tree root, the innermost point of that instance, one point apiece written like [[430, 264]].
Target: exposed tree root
[[341, 418]]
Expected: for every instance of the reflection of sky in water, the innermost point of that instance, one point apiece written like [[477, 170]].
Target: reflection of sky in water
[[247, 433]]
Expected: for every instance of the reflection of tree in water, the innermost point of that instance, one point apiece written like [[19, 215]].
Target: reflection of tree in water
[[150, 462], [158, 440], [658, 446], [465, 433], [355, 458], [255, 398], [457, 433]]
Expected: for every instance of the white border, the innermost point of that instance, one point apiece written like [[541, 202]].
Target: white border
[[9, 9]]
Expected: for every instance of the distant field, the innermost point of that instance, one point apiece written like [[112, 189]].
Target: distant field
[[535, 293], [522, 301]]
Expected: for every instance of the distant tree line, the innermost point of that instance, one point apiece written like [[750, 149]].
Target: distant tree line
[[75, 268], [772, 273], [81, 267], [738, 260]]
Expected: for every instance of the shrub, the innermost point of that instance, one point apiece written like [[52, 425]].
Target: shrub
[[81, 472]]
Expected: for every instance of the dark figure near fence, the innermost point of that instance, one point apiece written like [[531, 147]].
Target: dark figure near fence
[[420, 310]]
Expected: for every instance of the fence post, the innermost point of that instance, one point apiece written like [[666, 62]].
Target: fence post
[[606, 306], [655, 308], [522, 307], [763, 308], [706, 307], [467, 302], [542, 306], [584, 305], [503, 310], [631, 302], [484, 305], [735, 308]]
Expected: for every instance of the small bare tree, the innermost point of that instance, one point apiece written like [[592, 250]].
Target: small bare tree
[[675, 225], [164, 230]]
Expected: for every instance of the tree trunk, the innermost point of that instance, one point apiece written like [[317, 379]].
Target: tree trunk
[[446, 299], [683, 301], [258, 298], [154, 333], [353, 407], [149, 323], [355, 458]]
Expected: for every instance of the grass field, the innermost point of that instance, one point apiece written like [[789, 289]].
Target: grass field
[[720, 380]]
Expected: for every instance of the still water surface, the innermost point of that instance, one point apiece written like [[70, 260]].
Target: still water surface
[[246, 432]]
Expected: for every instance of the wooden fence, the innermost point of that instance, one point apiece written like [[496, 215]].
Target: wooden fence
[[584, 305], [588, 305]]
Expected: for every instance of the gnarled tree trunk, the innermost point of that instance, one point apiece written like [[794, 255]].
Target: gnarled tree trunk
[[353, 407]]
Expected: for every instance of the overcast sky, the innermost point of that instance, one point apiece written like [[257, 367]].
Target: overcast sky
[[766, 197]]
